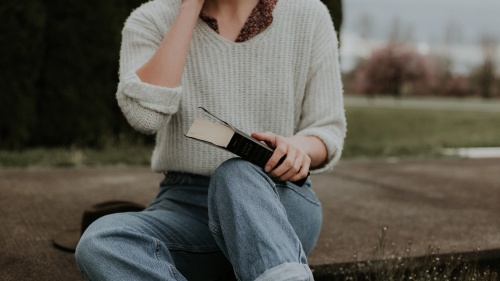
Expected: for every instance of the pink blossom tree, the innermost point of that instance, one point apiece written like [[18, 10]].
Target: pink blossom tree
[[395, 69]]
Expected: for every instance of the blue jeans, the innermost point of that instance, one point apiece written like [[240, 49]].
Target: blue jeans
[[200, 228]]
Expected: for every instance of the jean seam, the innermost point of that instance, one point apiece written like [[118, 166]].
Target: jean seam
[[317, 203], [191, 249], [157, 249], [174, 272], [215, 230], [84, 274], [158, 257], [285, 268], [179, 247]]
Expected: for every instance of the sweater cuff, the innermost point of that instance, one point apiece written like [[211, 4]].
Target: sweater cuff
[[156, 98], [334, 149]]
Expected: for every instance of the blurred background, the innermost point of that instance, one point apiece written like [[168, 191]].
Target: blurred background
[[420, 78], [442, 48]]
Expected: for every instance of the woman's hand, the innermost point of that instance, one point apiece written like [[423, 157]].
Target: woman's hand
[[166, 66], [296, 164]]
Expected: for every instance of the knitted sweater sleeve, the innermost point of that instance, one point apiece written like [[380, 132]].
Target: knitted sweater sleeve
[[323, 113], [146, 107]]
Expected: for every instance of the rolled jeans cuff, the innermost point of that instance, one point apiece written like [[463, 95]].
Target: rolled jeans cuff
[[287, 271]]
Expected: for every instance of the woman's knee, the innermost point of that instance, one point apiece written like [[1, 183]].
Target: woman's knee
[[236, 171], [239, 180], [94, 243], [233, 167]]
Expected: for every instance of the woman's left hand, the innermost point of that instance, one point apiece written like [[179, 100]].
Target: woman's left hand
[[297, 162]]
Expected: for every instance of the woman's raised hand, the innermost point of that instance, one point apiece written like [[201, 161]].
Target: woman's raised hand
[[166, 66]]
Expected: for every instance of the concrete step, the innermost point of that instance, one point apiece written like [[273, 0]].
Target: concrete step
[[451, 204]]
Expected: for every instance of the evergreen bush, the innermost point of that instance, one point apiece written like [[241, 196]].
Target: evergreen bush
[[60, 72], [21, 57]]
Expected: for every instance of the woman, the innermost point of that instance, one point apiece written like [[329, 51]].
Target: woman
[[268, 67]]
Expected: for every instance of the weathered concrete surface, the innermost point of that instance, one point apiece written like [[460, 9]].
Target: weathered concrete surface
[[453, 204], [36, 205]]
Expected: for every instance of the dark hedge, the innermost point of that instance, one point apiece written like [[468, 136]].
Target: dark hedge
[[59, 72], [80, 71], [337, 12], [21, 56]]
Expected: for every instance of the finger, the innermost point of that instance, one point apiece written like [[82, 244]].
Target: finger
[[288, 164], [293, 170], [272, 163], [303, 172], [268, 137]]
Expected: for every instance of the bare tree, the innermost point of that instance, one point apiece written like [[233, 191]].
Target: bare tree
[[452, 36], [399, 32], [365, 26], [486, 71]]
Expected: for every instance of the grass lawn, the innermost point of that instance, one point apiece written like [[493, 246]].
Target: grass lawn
[[373, 132], [74, 157], [383, 132]]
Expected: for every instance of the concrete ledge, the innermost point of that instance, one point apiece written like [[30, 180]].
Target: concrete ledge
[[453, 204], [366, 270]]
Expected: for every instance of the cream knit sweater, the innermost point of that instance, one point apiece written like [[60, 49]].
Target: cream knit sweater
[[285, 80]]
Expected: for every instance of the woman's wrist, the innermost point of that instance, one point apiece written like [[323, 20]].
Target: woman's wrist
[[314, 148]]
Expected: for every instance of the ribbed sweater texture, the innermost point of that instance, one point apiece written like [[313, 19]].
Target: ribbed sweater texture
[[285, 80]]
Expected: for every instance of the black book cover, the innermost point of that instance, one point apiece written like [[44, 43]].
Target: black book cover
[[249, 148]]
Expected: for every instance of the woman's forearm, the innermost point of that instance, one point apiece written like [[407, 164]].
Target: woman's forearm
[[315, 149], [166, 66]]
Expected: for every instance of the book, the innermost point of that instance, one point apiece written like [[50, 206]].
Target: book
[[221, 134]]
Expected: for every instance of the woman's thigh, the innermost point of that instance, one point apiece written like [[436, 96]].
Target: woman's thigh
[[189, 242], [172, 232]]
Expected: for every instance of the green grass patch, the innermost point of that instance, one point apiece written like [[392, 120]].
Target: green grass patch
[[384, 132], [372, 133], [74, 157]]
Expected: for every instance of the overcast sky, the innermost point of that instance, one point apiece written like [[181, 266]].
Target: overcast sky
[[424, 21]]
